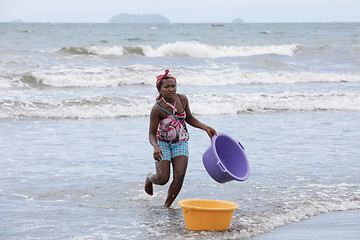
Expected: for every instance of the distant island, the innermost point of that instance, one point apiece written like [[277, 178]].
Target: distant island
[[141, 18], [237, 20]]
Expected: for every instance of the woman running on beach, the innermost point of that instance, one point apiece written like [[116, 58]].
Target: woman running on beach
[[169, 136]]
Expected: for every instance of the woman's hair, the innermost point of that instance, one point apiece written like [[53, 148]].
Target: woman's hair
[[159, 81]]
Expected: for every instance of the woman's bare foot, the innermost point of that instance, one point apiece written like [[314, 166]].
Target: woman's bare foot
[[148, 185]]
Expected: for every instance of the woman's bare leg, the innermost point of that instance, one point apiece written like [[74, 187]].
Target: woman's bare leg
[[160, 178], [179, 164]]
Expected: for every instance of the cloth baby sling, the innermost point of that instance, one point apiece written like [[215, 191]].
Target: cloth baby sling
[[172, 115]]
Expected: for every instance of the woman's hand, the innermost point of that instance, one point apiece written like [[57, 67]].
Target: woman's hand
[[210, 131], [158, 155]]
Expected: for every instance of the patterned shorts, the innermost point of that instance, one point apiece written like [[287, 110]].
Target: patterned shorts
[[171, 150]]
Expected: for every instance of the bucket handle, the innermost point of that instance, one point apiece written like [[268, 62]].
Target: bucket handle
[[241, 146], [222, 166]]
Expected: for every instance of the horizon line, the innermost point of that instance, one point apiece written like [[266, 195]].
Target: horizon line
[[239, 23]]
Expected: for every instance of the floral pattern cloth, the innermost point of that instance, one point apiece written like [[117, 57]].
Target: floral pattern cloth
[[172, 130]]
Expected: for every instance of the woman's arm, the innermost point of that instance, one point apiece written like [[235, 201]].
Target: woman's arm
[[154, 123], [193, 121]]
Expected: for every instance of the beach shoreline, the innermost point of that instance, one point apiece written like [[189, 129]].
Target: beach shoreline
[[330, 225]]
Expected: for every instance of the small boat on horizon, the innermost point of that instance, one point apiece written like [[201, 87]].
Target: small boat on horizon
[[218, 25]]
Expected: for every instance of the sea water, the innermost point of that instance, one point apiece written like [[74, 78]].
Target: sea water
[[74, 114]]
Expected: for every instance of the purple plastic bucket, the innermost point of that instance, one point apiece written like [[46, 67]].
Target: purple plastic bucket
[[225, 160]]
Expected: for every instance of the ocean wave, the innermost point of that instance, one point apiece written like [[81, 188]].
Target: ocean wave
[[93, 50], [101, 77], [86, 107], [185, 49], [91, 107], [265, 102], [98, 77], [214, 78], [294, 210], [200, 50]]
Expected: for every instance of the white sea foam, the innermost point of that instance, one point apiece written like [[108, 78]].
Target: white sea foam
[[5, 83], [264, 102], [92, 77], [210, 77], [145, 75], [84, 107], [187, 49], [117, 50], [200, 50], [135, 106], [304, 207]]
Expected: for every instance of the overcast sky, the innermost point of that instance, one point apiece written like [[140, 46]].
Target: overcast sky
[[183, 11]]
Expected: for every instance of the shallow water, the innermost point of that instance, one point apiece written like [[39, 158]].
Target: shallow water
[[83, 179], [74, 107]]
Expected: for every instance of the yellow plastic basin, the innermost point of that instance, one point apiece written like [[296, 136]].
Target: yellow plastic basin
[[203, 214]]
